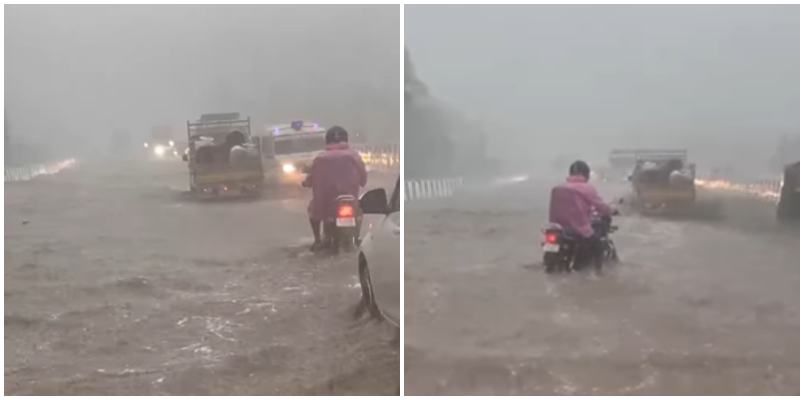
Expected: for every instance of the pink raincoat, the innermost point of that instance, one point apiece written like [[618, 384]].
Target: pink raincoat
[[338, 170], [571, 205]]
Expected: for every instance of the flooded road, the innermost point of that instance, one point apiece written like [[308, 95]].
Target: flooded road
[[696, 307], [117, 283]]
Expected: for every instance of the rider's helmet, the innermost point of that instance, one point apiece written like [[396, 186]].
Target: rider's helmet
[[336, 134], [580, 168]]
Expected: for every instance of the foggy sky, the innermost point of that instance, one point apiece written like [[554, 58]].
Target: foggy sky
[[80, 72], [695, 76]]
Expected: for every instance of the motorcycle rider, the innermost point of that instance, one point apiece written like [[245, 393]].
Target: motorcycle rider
[[338, 170], [571, 206]]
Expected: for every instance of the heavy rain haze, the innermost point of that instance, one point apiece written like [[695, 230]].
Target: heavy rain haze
[[74, 74], [147, 256], [546, 80], [695, 288]]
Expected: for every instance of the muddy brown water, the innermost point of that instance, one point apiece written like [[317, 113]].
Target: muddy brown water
[[700, 305], [117, 283]]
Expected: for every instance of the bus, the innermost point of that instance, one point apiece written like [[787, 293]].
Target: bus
[[291, 148]]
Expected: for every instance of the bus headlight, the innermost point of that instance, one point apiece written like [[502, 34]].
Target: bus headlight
[[159, 151], [288, 168]]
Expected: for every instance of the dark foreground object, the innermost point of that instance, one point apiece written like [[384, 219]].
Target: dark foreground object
[[789, 208]]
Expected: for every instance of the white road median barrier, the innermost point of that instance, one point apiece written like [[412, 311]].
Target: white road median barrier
[[380, 157], [28, 172], [432, 188]]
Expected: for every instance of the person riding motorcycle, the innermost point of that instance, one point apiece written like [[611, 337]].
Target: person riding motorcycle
[[338, 170], [571, 206]]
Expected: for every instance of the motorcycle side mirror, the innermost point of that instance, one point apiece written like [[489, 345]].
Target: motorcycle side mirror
[[184, 157], [374, 201]]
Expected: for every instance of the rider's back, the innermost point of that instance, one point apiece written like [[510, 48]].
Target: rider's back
[[571, 205], [339, 170]]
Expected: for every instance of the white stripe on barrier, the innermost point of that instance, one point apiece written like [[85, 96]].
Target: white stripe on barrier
[[26, 173], [432, 188]]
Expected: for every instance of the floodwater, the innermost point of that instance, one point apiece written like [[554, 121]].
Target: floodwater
[[117, 283], [698, 306]]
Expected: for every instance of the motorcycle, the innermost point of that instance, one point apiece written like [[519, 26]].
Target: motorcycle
[[564, 252], [342, 231]]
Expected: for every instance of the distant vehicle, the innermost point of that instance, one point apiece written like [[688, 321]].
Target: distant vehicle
[[378, 259], [663, 181], [161, 143], [789, 207], [291, 148], [624, 160], [219, 117], [222, 158]]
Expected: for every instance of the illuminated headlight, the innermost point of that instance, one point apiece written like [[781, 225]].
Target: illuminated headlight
[[288, 168], [145, 145], [170, 143], [159, 150], [175, 152]]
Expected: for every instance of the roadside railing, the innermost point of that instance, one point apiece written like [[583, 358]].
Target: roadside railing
[[432, 188], [19, 173]]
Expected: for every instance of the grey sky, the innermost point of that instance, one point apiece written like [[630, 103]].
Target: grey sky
[[660, 73], [82, 71]]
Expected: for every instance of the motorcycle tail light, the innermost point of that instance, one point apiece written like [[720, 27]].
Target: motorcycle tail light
[[551, 238], [346, 212]]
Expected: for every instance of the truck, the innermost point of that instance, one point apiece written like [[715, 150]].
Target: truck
[[662, 180], [626, 159], [222, 156]]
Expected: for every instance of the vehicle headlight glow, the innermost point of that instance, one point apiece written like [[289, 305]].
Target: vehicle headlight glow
[[145, 145], [159, 150], [288, 168], [175, 152]]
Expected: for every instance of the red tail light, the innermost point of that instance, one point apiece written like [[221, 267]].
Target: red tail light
[[551, 238], [345, 212]]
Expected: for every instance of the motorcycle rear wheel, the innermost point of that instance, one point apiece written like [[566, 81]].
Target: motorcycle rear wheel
[[555, 263]]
